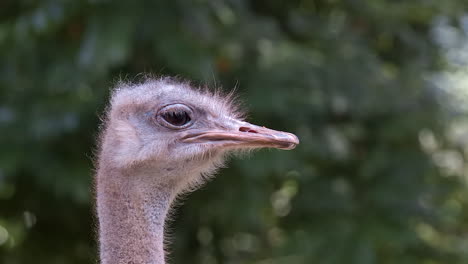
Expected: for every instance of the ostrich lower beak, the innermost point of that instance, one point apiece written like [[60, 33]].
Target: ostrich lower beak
[[245, 135]]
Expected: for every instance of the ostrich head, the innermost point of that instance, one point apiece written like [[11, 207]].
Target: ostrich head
[[161, 138], [181, 132]]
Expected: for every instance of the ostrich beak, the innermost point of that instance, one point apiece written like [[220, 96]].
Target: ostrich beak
[[241, 134]]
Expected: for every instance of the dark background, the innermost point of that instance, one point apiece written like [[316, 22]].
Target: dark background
[[375, 89]]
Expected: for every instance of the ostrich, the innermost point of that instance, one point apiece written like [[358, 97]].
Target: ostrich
[[161, 138]]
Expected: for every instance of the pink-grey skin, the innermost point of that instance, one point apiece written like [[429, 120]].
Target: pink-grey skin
[[162, 138]]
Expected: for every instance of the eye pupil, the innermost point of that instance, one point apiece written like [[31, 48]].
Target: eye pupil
[[176, 118]]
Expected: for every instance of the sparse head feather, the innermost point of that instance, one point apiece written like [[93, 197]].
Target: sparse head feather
[[131, 135], [141, 94]]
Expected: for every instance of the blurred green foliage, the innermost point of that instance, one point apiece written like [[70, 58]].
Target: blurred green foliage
[[379, 177]]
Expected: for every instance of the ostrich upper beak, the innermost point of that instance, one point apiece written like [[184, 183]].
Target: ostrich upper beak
[[244, 135]]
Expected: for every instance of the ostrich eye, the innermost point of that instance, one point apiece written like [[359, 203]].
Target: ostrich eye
[[175, 116]]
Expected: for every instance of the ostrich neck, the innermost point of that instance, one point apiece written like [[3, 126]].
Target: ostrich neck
[[131, 209]]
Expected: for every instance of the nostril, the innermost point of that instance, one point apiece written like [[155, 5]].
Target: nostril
[[247, 129]]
